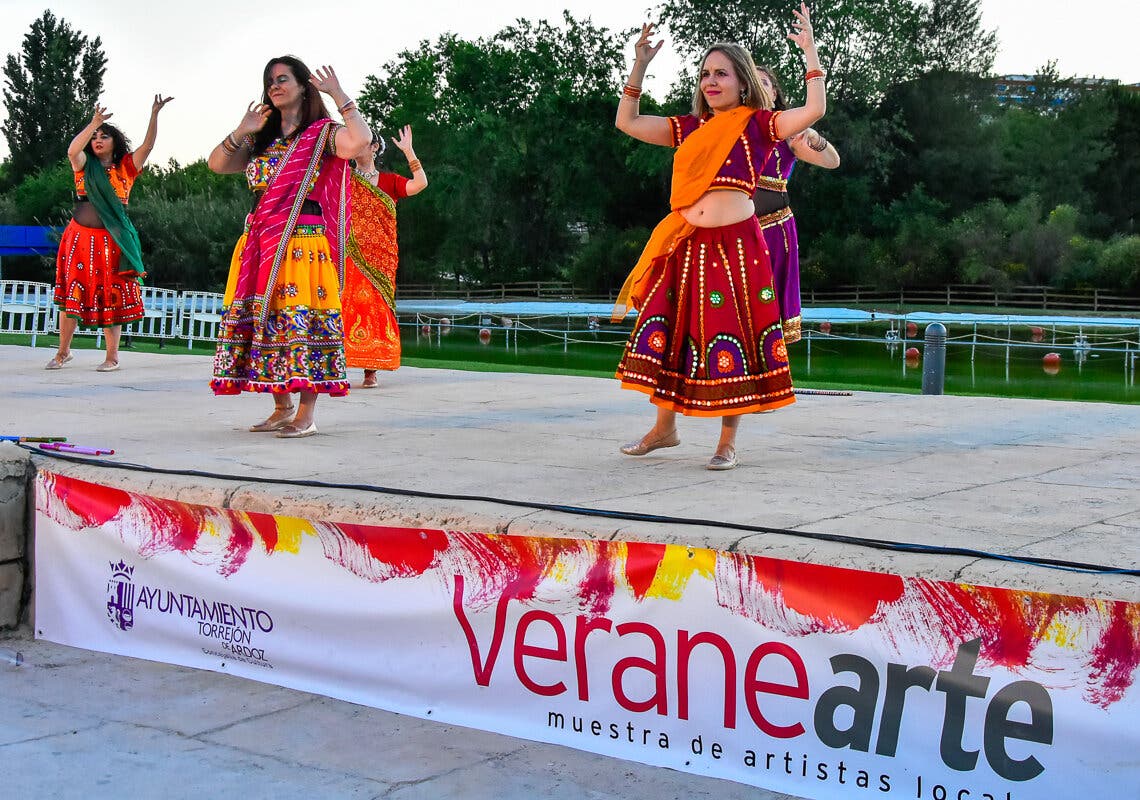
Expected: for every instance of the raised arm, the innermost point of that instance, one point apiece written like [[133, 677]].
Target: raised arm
[[75, 152], [142, 152], [812, 148], [794, 120], [419, 179], [355, 135], [646, 128], [232, 153]]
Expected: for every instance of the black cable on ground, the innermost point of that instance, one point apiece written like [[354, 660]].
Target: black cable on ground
[[629, 516]]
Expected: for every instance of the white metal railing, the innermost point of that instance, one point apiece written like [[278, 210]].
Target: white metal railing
[[26, 307], [201, 313]]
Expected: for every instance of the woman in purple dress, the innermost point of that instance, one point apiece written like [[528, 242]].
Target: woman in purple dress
[[774, 212]]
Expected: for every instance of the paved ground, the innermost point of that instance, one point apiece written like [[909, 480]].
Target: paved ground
[[1020, 477]]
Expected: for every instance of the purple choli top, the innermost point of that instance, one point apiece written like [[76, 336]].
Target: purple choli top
[[743, 169], [778, 168]]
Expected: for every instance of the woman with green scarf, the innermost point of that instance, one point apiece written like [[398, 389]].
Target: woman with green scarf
[[99, 264]]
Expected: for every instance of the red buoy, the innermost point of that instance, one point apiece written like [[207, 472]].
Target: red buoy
[[911, 330], [484, 336], [825, 327], [912, 356], [1051, 363], [1036, 333]]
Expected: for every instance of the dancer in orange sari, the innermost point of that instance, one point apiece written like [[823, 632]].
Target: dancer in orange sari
[[371, 332], [708, 340]]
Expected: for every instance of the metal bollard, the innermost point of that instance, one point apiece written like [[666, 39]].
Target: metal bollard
[[934, 359]]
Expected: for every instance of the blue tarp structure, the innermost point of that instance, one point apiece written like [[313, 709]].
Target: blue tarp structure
[[27, 240]]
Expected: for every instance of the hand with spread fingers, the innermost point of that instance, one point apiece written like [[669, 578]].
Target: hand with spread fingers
[[644, 50], [802, 33], [324, 79], [254, 119]]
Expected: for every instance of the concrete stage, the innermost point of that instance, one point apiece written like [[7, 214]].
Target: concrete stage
[[1018, 477]]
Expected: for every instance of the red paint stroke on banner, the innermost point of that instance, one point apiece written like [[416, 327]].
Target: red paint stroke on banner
[[641, 563], [1010, 624], [1117, 654], [93, 503], [851, 599], [515, 565], [597, 590], [833, 598], [170, 525], [408, 551], [265, 526]]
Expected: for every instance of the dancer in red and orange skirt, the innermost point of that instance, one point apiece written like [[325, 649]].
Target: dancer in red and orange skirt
[[99, 264], [371, 332], [282, 330], [708, 339]]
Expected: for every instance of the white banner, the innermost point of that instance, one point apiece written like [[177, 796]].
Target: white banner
[[812, 680]]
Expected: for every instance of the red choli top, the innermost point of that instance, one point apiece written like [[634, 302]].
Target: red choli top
[[393, 184], [122, 177], [742, 169]]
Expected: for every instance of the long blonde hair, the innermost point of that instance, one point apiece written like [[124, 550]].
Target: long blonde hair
[[755, 95]]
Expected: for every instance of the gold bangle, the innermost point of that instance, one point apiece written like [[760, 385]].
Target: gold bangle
[[414, 165]]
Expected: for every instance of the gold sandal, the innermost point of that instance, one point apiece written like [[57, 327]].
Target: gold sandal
[[271, 424]]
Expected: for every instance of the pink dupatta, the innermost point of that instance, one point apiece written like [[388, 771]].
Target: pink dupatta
[[275, 219]]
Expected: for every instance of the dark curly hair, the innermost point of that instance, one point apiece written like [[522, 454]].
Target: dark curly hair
[[122, 145]]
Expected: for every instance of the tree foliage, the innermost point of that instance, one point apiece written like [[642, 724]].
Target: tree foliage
[[49, 89], [517, 133], [939, 183]]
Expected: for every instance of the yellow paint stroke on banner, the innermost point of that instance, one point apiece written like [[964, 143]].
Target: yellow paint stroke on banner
[[677, 568]]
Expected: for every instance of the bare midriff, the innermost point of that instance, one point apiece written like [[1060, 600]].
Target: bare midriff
[[85, 214], [719, 207]]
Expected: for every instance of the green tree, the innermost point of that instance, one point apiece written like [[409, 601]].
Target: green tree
[[1116, 185], [516, 131], [864, 47], [1055, 156], [941, 138], [49, 89], [953, 40]]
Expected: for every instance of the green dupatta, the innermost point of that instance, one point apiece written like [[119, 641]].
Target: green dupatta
[[113, 215]]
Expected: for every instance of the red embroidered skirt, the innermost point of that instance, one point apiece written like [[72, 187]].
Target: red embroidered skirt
[[708, 340], [88, 284]]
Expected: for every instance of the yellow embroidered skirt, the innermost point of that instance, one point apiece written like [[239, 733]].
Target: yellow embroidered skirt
[[300, 347]]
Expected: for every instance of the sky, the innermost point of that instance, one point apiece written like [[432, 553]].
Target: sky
[[209, 54]]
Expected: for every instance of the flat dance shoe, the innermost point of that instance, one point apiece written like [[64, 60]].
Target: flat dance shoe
[[273, 424], [647, 445], [107, 366], [291, 431], [719, 462], [56, 362]]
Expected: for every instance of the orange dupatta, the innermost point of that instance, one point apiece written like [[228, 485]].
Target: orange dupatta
[[695, 164]]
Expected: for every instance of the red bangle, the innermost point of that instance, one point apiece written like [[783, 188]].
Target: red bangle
[[631, 91], [813, 73]]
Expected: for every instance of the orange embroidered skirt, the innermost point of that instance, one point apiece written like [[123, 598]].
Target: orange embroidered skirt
[[708, 339], [88, 284], [371, 332]]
